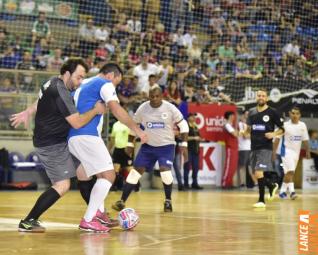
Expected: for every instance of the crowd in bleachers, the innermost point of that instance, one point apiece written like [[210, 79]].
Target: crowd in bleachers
[[189, 47]]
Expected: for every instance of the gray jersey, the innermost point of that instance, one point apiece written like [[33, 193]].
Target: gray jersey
[[158, 122]]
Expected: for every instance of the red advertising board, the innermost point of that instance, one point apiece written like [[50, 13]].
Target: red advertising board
[[210, 119]]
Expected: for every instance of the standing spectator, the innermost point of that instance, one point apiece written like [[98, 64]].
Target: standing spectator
[[134, 24], [102, 33], [142, 72], [166, 70], [40, 29], [71, 49], [231, 147], [87, 38], [215, 90], [193, 154]]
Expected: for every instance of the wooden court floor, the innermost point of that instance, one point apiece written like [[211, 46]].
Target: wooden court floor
[[206, 222]]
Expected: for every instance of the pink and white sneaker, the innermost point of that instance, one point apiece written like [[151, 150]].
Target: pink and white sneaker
[[93, 226], [106, 220]]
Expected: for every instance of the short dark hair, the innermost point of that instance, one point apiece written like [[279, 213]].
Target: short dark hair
[[111, 68], [228, 114], [311, 132], [263, 90], [152, 76], [71, 64], [296, 108]]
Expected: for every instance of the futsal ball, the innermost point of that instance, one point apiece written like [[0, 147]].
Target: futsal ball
[[128, 218]]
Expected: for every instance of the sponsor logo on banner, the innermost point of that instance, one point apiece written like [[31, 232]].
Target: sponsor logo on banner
[[311, 94], [210, 119]]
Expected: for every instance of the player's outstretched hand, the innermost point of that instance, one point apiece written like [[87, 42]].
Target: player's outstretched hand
[[20, 118]]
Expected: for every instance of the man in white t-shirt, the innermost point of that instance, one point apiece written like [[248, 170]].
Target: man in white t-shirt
[[295, 133], [142, 72]]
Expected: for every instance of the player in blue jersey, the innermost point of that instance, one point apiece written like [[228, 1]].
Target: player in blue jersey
[[89, 148], [158, 117]]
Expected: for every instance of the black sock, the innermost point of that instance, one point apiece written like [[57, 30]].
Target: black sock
[[85, 188], [168, 190], [44, 202], [261, 189], [128, 188]]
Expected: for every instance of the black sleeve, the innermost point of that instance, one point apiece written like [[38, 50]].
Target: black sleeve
[[278, 120], [64, 102], [249, 121]]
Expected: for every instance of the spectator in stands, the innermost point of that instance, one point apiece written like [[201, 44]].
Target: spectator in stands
[[126, 91], [172, 93], [26, 78], [177, 38], [3, 43], [71, 49], [134, 24], [188, 37], [217, 22], [242, 49], [9, 58], [226, 54], [242, 71], [215, 91], [201, 96], [188, 93], [7, 86], [40, 29], [167, 70], [142, 72], [40, 54], [87, 41], [291, 49], [194, 51], [121, 28], [55, 62], [102, 33], [98, 63], [160, 36]]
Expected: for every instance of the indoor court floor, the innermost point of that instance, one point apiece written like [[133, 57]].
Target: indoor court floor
[[205, 222]]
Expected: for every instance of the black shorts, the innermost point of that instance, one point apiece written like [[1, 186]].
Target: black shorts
[[121, 158], [261, 160], [244, 158]]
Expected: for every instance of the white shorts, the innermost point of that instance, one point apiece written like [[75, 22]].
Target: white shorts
[[290, 161], [91, 151]]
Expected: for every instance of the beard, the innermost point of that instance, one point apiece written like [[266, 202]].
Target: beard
[[261, 103]]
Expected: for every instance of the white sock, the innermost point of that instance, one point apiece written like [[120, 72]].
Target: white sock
[[291, 187], [284, 187], [98, 195], [102, 208]]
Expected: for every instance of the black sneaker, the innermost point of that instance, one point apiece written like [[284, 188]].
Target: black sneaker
[[119, 205], [31, 225], [167, 206], [196, 186]]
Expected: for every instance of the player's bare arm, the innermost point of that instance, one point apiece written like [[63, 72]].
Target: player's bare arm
[[307, 148], [124, 118], [271, 135], [77, 120]]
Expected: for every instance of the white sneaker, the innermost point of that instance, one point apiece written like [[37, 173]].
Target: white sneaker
[[259, 205]]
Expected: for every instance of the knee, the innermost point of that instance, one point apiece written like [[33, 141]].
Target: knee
[[62, 187], [166, 177], [134, 176]]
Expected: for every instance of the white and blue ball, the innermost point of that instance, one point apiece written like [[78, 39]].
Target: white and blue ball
[[128, 218]]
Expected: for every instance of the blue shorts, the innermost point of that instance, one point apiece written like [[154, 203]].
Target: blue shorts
[[148, 155]]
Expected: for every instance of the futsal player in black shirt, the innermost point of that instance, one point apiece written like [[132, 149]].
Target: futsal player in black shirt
[[261, 124], [55, 114]]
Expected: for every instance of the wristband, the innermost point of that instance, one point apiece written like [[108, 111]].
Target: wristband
[[130, 144], [183, 144]]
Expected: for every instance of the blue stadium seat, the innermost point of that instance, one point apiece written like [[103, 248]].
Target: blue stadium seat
[[264, 37], [32, 157], [15, 157]]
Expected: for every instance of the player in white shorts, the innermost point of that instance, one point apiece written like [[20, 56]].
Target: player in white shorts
[[87, 145], [295, 134]]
